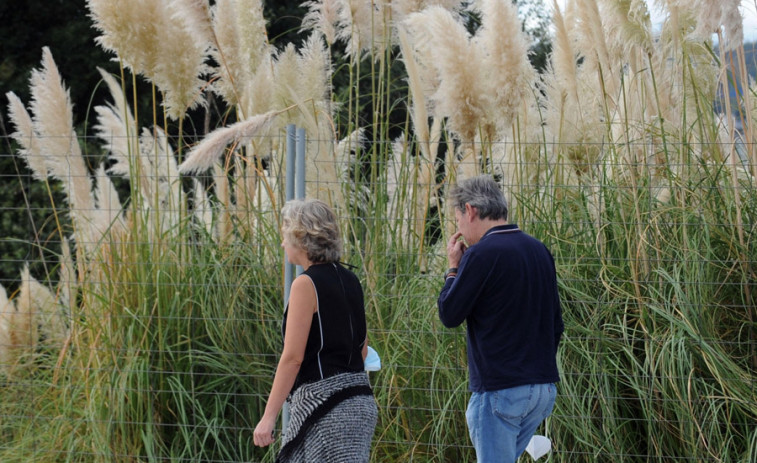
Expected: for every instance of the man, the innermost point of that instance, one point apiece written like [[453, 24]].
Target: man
[[502, 283]]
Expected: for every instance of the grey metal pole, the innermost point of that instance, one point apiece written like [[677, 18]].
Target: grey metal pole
[[290, 166], [299, 186], [299, 172], [291, 145]]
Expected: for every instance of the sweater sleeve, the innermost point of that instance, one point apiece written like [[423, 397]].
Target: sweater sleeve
[[459, 294]]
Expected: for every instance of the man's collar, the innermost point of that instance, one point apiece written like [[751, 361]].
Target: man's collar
[[506, 228]]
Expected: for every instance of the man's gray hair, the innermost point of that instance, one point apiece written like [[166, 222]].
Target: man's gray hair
[[483, 193]]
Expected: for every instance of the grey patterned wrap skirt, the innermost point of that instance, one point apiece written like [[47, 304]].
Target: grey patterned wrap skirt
[[331, 420]]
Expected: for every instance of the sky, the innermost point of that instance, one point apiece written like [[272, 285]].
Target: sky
[[748, 12]]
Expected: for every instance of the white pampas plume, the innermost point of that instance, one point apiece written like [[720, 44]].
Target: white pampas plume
[[44, 309], [261, 95], [25, 137], [418, 110], [7, 311], [507, 77], [350, 144], [195, 14], [458, 62], [150, 41], [420, 45], [301, 78], [230, 74], [322, 16], [117, 128], [22, 324], [207, 152], [108, 203], [241, 47], [160, 181], [403, 8], [202, 210], [286, 77], [51, 146], [363, 26], [596, 50], [733, 24], [563, 60], [225, 225], [253, 35], [314, 69], [716, 15], [632, 20], [67, 275], [53, 121]]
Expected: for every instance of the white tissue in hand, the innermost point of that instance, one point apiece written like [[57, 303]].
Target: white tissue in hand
[[372, 360]]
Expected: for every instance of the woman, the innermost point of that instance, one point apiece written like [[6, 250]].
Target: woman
[[332, 409]]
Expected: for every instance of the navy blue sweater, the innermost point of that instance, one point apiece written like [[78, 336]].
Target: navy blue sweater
[[506, 292]]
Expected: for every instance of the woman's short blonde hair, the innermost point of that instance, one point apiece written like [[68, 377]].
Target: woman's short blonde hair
[[311, 225]]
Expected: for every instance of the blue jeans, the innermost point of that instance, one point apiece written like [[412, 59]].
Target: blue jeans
[[502, 422]]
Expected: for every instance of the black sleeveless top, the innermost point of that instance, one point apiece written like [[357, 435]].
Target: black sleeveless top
[[338, 330]]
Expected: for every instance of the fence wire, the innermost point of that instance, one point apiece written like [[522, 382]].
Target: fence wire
[[151, 332]]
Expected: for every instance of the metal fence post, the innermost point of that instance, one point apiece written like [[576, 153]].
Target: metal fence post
[[295, 188], [289, 268]]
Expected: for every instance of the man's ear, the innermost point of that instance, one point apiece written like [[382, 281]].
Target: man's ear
[[471, 211]]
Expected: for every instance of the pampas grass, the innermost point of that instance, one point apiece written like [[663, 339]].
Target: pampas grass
[[506, 73], [116, 127], [33, 316], [203, 156], [323, 16], [25, 137], [51, 146], [364, 27], [7, 311], [459, 65], [616, 161], [241, 49], [147, 37]]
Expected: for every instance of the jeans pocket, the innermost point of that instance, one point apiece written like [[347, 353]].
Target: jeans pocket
[[551, 390], [512, 403]]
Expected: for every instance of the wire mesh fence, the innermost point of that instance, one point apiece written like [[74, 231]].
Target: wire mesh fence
[[141, 311]]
